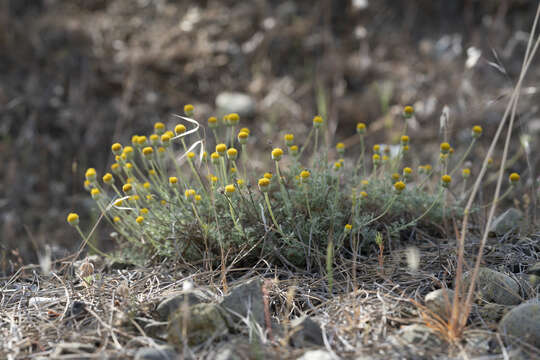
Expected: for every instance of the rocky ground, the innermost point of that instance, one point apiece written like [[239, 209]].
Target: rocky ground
[[94, 308]]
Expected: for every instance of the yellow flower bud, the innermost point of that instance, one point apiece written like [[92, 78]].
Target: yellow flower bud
[[229, 189], [179, 129], [188, 109], [277, 153], [73, 219]]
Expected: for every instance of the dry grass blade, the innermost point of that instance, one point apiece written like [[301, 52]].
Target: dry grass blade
[[461, 308]]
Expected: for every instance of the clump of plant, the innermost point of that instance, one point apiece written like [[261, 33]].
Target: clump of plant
[[168, 194]]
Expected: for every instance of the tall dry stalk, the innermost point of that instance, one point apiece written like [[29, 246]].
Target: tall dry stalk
[[461, 307]]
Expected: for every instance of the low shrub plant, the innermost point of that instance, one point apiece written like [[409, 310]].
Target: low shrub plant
[[169, 195]]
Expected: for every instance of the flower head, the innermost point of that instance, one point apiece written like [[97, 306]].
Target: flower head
[[188, 109], [304, 175], [127, 188], [514, 178], [116, 148], [289, 138], [159, 127], [142, 141], [179, 129], [340, 148], [399, 187], [243, 137], [408, 111], [212, 122], [318, 121], [148, 151], [347, 228], [108, 179], [476, 131], [404, 140], [215, 158], [139, 220], [264, 183], [361, 128], [229, 189], [446, 180], [363, 194], [268, 175], [189, 193], [232, 154], [90, 174], [445, 148], [376, 159], [277, 153], [173, 180], [165, 139], [466, 173], [293, 150], [73, 219], [221, 148], [233, 119]]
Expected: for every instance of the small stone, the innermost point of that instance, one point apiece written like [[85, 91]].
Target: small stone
[[235, 102], [159, 353], [492, 312], [202, 321], [495, 287], [507, 222], [523, 323], [317, 355], [246, 300], [418, 334], [173, 302], [306, 332], [440, 302]]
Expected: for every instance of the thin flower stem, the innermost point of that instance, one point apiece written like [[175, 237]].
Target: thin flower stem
[[267, 199]]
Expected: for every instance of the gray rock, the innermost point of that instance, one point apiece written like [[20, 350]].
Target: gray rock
[[173, 302], [418, 334], [440, 302], [522, 323], [317, 355], [201, 321], [246, 300], [306, 332], [235, 102], [507, 222], [159, 353], [495, 287]]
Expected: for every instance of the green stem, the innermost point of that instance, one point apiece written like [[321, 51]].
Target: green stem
[[463, 157], [272, 214], [90, 245]]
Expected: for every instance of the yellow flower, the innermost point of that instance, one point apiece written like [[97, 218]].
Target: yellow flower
[[148, 151], [190, 155], [139, 220], [490, 162], [245, 129], [348, 228], [243, 137], [337, 165], [268, 175], [154, 139], [514, 178], [149, 197], [116, 219], [221, 149], [428, 168], [294, 150], [229, 189], [141, 141], [318, 121], [364, 182], [198, 198], [408, 111], [385, 158], [212, 122], [340, 148], [179, 129], [188, 109], [189, 193], [144, 211], [407, 171], [476, 131], [363, 194], [87, 185], [233, 170], [214, 179], [127, 188], [289, 138], [108, 178], [90, 174], [277, 153], [264, 183], [146, 185], [173, 180], [161, 151], [232, 154], [118, 203], [233, 119], [376, 159], [115, 168], [404, 140], [240, 182], [165, 139], [73, 219], [116, 148], [446, 180], [305, 174], [466, 173], [395, 176], [405, 148], [152, 172], [361, 128], [128, 152], [445, 148], [159, 127], [377, 148], [399, 186], [134, 198], [134, 140], [163, 202], [128, 167]]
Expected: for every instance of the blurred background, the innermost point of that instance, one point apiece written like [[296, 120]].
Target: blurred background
[[78, 75]]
